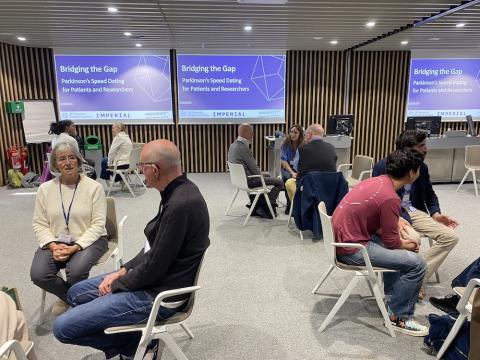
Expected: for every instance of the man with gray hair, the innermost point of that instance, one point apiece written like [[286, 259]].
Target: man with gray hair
[[177, 237], [240, 153]]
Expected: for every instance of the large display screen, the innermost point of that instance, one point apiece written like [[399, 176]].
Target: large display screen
[[94, 89], [231, 88], [449, 88]]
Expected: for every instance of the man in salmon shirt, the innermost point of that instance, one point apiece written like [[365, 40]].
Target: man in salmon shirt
[[369, 215]]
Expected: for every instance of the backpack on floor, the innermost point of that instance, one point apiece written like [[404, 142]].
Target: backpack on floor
[[31, 180], [440, 327], [15, 178]]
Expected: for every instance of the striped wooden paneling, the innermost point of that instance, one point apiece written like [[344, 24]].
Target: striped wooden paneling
[[377, 97], [25, 73]]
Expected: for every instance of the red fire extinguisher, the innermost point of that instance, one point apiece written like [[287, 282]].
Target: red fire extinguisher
[[24, 160], [13, 157]]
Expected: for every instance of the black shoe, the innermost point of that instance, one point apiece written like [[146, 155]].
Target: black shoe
[[447, 304], [287, 209], [263, 213]]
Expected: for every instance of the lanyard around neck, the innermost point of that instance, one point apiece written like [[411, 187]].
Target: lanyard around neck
[[66, 216]]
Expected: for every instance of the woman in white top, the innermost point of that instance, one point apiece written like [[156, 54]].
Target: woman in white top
[[69, 223], [63, 131], [119, 153]]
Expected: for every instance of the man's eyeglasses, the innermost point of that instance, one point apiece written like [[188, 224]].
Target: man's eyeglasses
[[141, 165]]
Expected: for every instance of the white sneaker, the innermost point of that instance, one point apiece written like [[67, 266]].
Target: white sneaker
[[59, 307], [409, 326]]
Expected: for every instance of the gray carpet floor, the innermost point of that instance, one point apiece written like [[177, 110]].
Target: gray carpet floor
[[256, 301]]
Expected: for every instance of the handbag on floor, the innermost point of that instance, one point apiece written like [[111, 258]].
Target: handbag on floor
[[440, 327]]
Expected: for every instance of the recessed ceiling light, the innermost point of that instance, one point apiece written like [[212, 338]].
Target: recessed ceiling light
[[138, 45], [126, 33], [317, 38], [459, 25], [334, 42], [404, 42], [247, 28], [434, 39], [112, 9], [370, 24], [21, 38]]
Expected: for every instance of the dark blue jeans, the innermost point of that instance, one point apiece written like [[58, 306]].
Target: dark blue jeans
[[105, 173], [401, 287], [91, 314], [470, 272]]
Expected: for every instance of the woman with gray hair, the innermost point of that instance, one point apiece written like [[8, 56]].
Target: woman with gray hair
[[69, 223]]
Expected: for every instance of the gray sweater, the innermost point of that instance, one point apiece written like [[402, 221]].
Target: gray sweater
[[240, 153]]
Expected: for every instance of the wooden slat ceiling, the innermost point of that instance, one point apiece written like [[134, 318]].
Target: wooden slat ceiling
[[439, 34], [219, 24]]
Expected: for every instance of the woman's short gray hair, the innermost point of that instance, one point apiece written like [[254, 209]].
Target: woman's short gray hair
[[120, 126], [62, 147]]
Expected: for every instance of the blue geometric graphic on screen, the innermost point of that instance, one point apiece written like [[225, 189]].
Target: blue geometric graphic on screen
[[477, 79], [268, 76], [152, 76]]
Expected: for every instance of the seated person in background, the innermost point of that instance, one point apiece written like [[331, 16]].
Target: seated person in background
[[369, 215], [69, 223], [421, 208], [314, 155], [178, 238], [64, 131], [287, 155], [13, 325], [240, 153], [119, 153]]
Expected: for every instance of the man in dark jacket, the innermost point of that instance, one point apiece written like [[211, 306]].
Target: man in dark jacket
[[315, 155], [421, 208], [177, 237]]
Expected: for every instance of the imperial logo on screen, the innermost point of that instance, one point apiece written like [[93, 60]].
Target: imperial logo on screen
[[449, 88], [106, 89], [231, 88]]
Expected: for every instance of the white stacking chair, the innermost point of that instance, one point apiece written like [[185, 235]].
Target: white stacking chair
[[15, 350], [361, 169], [464, 308], [157, 329], [239, 181], [125, 173], [369, 273], [114, 251], [472, 163], [290, 217]]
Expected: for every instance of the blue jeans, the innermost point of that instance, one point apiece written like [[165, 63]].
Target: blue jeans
[[91, 314], [401, 287]]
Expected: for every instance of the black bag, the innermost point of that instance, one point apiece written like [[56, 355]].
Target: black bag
[[89, 169], [440, 327]]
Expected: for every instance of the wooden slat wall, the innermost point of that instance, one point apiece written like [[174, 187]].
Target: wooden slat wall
[[25, 73], [315, 89], [377, 98]]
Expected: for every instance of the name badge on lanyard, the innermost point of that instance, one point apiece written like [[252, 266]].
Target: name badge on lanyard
[[65, 237]]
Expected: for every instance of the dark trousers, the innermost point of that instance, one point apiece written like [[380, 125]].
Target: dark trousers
[[106, 173], [277, 186], [44, 270], [471, 271]]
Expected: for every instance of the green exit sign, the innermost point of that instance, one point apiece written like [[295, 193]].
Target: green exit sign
[[14, 107]]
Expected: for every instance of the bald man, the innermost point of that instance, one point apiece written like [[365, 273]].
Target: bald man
[[177, 238], [240, 153], [314, 155]]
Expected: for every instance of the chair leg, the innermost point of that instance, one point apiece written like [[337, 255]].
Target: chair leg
[[140, 179], [140, 353], [370, 287], [187, 330], [381, 305], [124, 179], [41, 316], [290, 214], [112, 181], [340, 302], [475, 182], [231, 202], [464, 178], [172, 345], [452, 334], [269, 205], [251, 208], [323, 278]]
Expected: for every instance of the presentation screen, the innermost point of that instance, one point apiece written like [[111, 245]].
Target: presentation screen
[[449, 88], [231, 88], [96, 89]]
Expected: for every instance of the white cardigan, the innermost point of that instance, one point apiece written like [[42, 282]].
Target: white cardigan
[[120, 150]]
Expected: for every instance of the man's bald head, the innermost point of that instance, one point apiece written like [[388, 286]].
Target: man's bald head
[[246, 131], [162, 152], [316, 130]]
